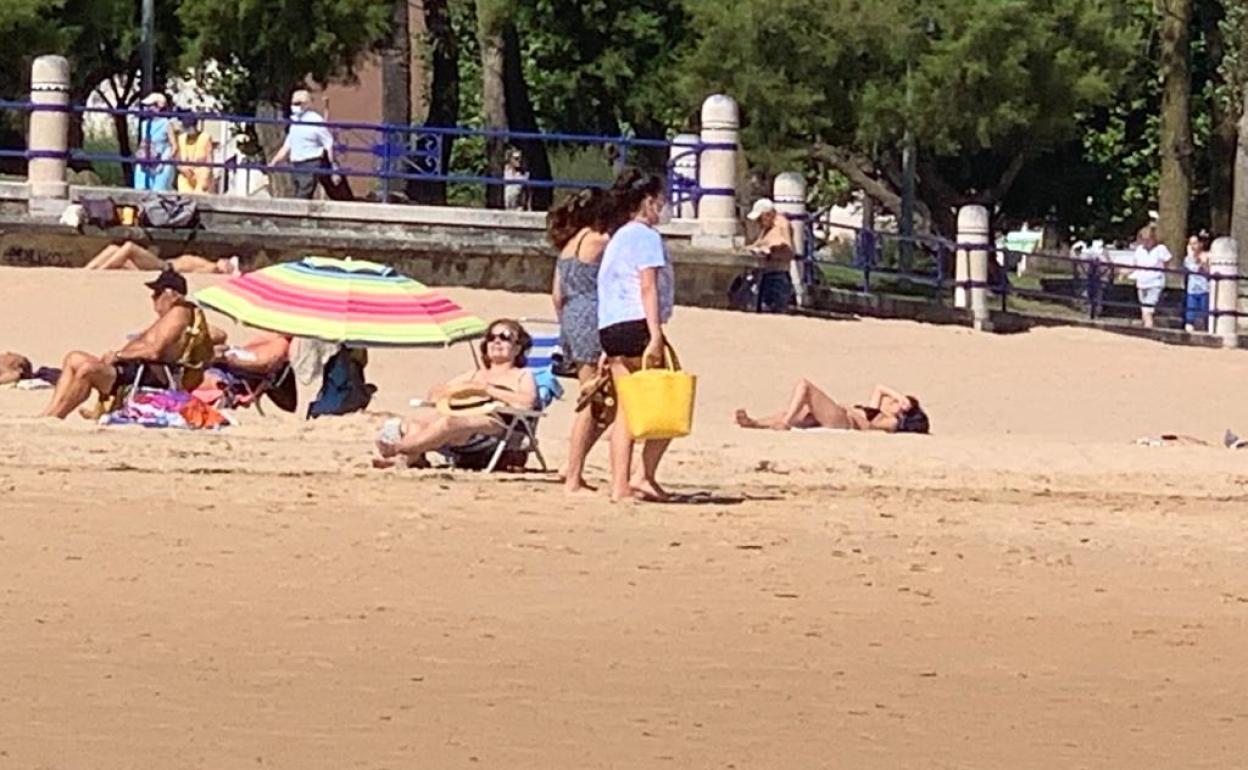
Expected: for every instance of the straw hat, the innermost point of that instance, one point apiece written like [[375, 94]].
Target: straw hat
[[467, 402]]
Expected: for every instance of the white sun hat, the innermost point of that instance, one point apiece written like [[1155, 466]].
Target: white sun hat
[[761, 206]]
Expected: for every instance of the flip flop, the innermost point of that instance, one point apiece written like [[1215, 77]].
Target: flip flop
[[591, 390]]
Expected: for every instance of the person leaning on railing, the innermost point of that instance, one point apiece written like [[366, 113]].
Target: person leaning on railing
[[309, 145], [195, 146], [774, 249], [1196, 263]]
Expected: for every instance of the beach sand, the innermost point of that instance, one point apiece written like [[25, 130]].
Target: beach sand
[[1025, 588]]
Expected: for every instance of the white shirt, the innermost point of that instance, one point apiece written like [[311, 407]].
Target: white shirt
[[308, 137], [633, 248], [1156, 257], [1197, 279]]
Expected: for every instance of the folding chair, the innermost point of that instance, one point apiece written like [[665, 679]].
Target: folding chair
[[519, 439]]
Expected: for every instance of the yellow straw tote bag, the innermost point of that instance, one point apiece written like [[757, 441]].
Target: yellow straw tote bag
[[658, 403]]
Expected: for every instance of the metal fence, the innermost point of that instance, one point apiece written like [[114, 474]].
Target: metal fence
[[1035, 283], [395, 155]]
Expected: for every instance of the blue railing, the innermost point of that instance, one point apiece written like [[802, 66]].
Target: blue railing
[[398, 154], [1089, 286]]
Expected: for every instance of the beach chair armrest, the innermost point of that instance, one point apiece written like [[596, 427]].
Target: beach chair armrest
[[512, 411]]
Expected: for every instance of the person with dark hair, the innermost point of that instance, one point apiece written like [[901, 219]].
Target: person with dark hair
[[579, 230], [1196, 263], [809, 407], [463, 405], [636, 292]]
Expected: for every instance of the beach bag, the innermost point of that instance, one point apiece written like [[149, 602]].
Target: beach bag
[[743, 293], [168, 211], [101, 212], [343, 388], [658, 403]]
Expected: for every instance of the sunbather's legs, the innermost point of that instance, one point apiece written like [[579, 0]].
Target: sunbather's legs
[[80, 372], [99, 260], [584, 433], [132, 256], [443, 431], [807, 405]]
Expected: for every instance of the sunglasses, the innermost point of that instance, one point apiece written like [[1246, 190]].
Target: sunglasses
[[503, 336]]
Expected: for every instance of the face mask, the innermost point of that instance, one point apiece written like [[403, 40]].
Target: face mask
[[297, 109], [665, 213]]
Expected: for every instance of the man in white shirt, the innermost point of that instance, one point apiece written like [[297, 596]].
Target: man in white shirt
[[1151, 259], [308, 145]]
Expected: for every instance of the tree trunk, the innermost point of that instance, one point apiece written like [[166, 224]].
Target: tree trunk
[[440, 107], [270, 136], [493, 100], [1239, 218], [520, 117], [1174, 195], [1223, 136], [419, 57], [396, 94]]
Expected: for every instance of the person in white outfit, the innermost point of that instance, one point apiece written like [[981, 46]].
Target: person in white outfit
[[1151, 259]]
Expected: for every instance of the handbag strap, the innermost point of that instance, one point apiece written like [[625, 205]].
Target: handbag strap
[[670, 360]]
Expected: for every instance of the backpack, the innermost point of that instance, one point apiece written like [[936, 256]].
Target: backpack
[[743, 292], [169, 211], [101, 212], [343, 388]]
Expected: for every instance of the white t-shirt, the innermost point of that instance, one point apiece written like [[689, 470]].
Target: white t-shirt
[[633, 248], [308, 137], [1156, 257]]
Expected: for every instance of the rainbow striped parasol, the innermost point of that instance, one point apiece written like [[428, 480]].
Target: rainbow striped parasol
[[351, 302]]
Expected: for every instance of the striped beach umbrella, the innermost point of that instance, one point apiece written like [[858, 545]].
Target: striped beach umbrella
[[351, 302]]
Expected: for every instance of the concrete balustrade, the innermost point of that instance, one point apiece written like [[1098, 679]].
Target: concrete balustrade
[[717, 173], [1224, 299], [48, 137], [971, 265]]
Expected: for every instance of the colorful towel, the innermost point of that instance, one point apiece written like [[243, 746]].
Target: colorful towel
[[166, 409]]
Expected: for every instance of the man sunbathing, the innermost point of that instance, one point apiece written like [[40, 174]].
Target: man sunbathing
[[176, 330], [132, 256], [14, 368]]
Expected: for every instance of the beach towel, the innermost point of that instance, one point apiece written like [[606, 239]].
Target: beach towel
[[166, 409]]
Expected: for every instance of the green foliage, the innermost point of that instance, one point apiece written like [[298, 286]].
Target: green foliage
[[978, 81], [268, 47], [24, 25], [604, 66]]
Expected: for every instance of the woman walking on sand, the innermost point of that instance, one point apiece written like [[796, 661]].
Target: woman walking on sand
[[635, 298], [579, 231]]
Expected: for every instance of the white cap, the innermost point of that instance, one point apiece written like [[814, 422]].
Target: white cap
[[761, 206], [154, 99]]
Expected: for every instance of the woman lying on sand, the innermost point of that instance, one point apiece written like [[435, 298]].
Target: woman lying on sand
[[132, 256], [888, 411], [14, 368], [504, 380]]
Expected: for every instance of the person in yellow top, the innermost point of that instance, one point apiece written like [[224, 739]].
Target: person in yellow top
[[196, 146]]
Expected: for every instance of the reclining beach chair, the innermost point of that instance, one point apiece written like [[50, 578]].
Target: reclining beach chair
[[241, 388], [512, 449]]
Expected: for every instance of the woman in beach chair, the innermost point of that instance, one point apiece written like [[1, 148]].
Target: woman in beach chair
[[476, 405], [809, 407]]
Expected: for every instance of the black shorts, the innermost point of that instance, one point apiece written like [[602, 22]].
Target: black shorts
[[628, 339], [153, 375]]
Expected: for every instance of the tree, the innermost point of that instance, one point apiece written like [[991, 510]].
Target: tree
[[493, 17], [986, 86], [1175, 187], [396, 78], [605, 66], [435, 93]]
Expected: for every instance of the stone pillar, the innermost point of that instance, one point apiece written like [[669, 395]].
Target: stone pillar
[[717, 172], [48, 140], [971, 265], [788, 192], [1224, 298], [682, 162]]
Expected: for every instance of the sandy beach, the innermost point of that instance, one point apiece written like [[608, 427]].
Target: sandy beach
[[1025, 588]]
